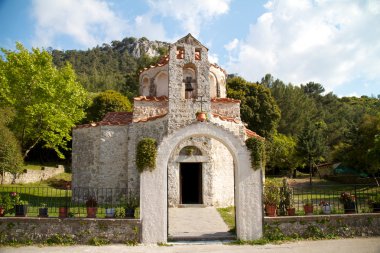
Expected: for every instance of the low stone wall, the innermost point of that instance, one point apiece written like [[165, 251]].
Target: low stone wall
[[320, 226], [71, 230], [32, 176]]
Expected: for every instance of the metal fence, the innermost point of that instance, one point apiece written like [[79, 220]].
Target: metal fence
[[73, 199], [331, 194]]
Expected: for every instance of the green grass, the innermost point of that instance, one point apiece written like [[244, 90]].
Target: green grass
[[228, 215]]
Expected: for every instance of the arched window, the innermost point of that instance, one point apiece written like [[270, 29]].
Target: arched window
[[162, 84], [145, 87], [213, 85]]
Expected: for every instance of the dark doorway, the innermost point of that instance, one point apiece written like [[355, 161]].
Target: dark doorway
[[191, 183]]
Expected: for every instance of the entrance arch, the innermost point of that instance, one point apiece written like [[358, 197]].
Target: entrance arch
[[248, 185]]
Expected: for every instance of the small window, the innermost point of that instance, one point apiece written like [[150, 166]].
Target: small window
[[180, 52], [198, 54]]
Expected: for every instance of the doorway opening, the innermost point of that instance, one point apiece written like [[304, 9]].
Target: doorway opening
[[191, 183]]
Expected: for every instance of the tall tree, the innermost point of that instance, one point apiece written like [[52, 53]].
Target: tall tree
[[310, 144], [48, 101], [258, 107]]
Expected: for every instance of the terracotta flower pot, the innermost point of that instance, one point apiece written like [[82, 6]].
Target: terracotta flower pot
[[2, 212], [271, 210], [63, 212], [91, 212], [308, 209], [291, 211], [201, 116]]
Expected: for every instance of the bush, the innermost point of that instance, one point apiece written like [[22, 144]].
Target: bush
[[146, 154]]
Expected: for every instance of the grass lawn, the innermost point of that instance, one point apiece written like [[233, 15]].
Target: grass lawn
[[228, 215]]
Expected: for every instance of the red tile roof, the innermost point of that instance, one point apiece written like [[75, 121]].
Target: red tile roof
[[225, 118], [149, 118], [218, 67], [111, 119], [163, 61], [150, 98], [225, 100], [252, 134]]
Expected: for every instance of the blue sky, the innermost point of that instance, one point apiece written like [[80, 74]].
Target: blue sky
[[335, 43]]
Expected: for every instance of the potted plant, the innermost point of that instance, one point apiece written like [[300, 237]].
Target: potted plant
[[20, 206], [374, 202], [271, 198], [201, 116], [348, 201], [110, 212], [63, 211], [92, 207], [130, 203], [325, 206], [286, 199], [43, 211], [308, 206]]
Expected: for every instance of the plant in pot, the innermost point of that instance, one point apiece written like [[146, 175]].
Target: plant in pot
[[91, 207], [130, 203], [348, 201], [201, 116], [43, 211], [110, 212], [374, 202], [271, 198], [308, 207], [325, 206], [20, 206], [286, 199]]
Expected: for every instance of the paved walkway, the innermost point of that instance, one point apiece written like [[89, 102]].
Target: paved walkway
[[357, 245], [197, 223]]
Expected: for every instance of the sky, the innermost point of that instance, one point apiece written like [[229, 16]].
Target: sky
[[335, 43]]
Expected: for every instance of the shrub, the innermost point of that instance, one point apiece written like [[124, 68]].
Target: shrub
[[146, 154]]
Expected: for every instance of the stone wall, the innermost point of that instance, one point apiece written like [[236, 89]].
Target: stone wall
[[231, 110], [76, 230], [347, 225], [32, 176], [99, 157], [144, 109]]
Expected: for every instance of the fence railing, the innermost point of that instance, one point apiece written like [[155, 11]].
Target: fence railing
[[322, 195], [74, 199]]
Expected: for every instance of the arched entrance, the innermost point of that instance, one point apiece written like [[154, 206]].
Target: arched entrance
[[248, 185]]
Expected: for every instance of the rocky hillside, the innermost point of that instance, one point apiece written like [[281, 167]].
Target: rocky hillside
[[113, 66]]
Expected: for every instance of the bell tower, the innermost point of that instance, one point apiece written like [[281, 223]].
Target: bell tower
[[188, 81]]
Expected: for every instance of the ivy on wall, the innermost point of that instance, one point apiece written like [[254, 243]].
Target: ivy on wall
[[146, 154], [257, 149]]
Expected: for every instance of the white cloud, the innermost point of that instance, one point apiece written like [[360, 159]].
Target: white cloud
[[231, 45], [213, 58], [88, 22], [145, 27], [331, 42], [192, 14]]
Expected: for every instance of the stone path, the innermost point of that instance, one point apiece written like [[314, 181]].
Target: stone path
[[197, 223]]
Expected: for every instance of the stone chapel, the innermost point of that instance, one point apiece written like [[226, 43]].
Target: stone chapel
[[197, 163]]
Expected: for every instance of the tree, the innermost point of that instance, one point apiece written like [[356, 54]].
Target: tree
[[48, 101], [258, 107], [107, 101], [10, 152], [310, 144], [282, 153]]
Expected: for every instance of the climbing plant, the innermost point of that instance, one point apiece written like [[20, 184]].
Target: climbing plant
[[257, 149], [146, 154]]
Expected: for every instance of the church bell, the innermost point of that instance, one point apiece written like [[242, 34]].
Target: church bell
[[188, 86]]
